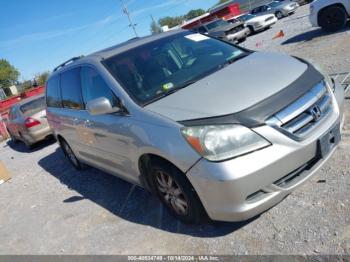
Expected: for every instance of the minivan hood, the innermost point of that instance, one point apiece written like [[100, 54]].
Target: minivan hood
[[232, 89]]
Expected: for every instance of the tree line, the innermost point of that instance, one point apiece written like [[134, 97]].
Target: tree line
[[9, 76]]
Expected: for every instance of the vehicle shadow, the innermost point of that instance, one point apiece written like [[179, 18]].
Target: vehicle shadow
[[125, 200], [311, 35], [20, 146]]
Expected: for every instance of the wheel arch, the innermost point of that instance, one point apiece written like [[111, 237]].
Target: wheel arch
[[341, 5], [144, 164]]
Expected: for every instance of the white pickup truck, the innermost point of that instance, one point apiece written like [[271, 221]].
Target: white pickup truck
[[331, 15]]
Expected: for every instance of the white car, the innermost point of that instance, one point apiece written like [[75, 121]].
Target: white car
[[331, 15], [257, 23]]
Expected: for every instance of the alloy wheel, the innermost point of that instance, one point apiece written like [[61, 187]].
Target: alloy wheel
[[171, 193]]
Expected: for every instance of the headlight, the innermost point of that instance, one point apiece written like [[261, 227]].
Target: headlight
[[217, 143]]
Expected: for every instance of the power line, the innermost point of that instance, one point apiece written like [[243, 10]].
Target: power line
[[126, 11]]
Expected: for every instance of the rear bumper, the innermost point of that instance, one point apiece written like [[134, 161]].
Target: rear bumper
[[241, 188], [38, 135]]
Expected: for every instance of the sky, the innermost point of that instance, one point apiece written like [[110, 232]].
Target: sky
[[38, 35]]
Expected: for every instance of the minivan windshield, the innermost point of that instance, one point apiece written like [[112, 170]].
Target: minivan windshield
[[164, 66]]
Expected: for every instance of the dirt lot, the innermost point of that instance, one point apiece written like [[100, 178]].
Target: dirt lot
[[49, 208]]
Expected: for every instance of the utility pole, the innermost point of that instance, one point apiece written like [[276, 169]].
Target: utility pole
[[126, 11]]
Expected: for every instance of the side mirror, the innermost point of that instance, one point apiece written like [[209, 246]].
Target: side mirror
[[269, 8], [100, 106]]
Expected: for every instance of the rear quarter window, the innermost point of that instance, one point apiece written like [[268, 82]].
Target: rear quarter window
[[53, 92]]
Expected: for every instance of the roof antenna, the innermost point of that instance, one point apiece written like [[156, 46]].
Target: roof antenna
[[126, 11]]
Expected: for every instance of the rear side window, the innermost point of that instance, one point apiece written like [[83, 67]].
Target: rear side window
[[33, 107], [93, 86], [71, 89], [53, 92]]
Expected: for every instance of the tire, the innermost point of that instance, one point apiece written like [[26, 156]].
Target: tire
[[175, 191], [279, 15], [333, 19], [68, 152], [242, 40], [251, 30]]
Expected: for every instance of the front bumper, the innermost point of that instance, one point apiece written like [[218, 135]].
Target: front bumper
[[238, 35], [241, 188]]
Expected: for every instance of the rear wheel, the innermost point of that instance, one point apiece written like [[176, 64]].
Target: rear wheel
[[333, 18], [279, 15], [68, 152], [176, 192]]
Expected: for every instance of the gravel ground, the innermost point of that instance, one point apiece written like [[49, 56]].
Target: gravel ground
[[49, 208]]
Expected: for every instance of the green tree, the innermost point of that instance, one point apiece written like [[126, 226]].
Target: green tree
[[171, 21], [155, 28], [8, 74], [41, 78], [194, 13]]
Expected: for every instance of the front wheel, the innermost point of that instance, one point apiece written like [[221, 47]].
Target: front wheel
[[176, 192], [333, 18], [251, 30]]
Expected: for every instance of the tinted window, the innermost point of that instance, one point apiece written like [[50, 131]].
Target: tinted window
[[33, 107], [93, 86], [53, 92], [157, 69], [71, 89]]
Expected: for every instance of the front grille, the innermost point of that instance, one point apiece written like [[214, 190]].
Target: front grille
[[302, 116]]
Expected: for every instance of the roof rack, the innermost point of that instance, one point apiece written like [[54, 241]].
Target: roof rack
[[68, 62]]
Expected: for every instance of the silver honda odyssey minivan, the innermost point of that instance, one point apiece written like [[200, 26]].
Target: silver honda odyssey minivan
[[212, 129]]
